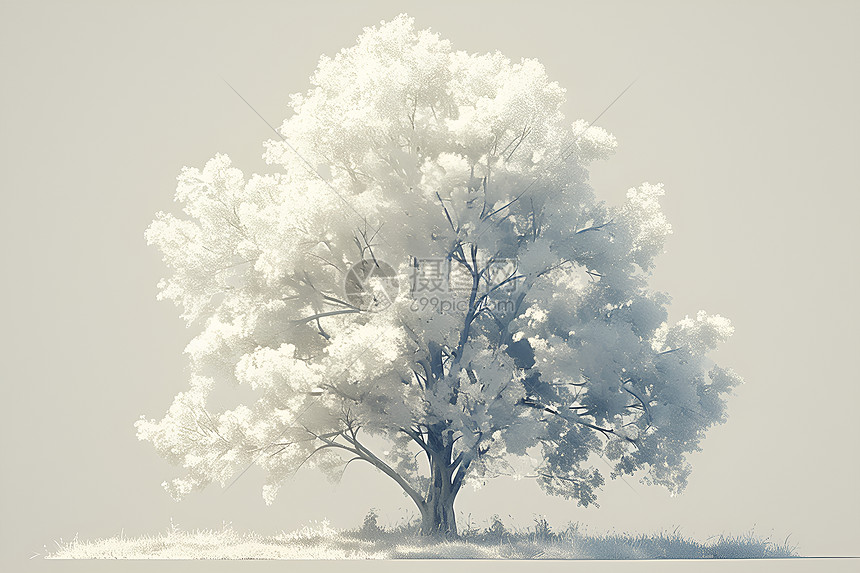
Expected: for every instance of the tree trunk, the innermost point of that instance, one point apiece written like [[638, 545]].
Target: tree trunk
[[437, 511]]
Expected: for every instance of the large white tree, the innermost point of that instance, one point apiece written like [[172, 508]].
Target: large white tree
[[430, 271]]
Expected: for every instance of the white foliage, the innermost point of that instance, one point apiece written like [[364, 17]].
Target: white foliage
[[433, 155]]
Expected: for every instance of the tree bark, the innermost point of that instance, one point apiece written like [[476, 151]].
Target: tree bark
[[437, 510]]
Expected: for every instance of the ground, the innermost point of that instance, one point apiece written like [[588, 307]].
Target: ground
[[319, 541]]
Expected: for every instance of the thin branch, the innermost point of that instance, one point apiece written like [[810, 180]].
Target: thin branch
[[593, 228], [526, 130], [641, 401], [447, 214], [324, 314], [338, 301]]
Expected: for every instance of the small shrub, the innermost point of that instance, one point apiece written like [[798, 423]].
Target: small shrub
[[571, 532], [469, 531], [543, 531], [371, 522], [497, 529]]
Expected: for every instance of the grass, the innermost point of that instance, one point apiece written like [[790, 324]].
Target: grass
[[319, 541]]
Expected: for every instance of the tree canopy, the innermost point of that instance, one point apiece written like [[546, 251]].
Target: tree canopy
[[428, 267]]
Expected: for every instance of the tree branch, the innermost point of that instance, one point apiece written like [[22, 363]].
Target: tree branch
[[324, 314], [564, 416], [368, 456]]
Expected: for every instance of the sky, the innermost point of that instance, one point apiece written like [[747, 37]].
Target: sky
[[745, 111]]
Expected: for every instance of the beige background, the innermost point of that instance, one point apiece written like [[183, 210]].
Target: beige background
[[746, 111]]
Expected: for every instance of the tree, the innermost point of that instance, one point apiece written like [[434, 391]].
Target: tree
[[430, 273]]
